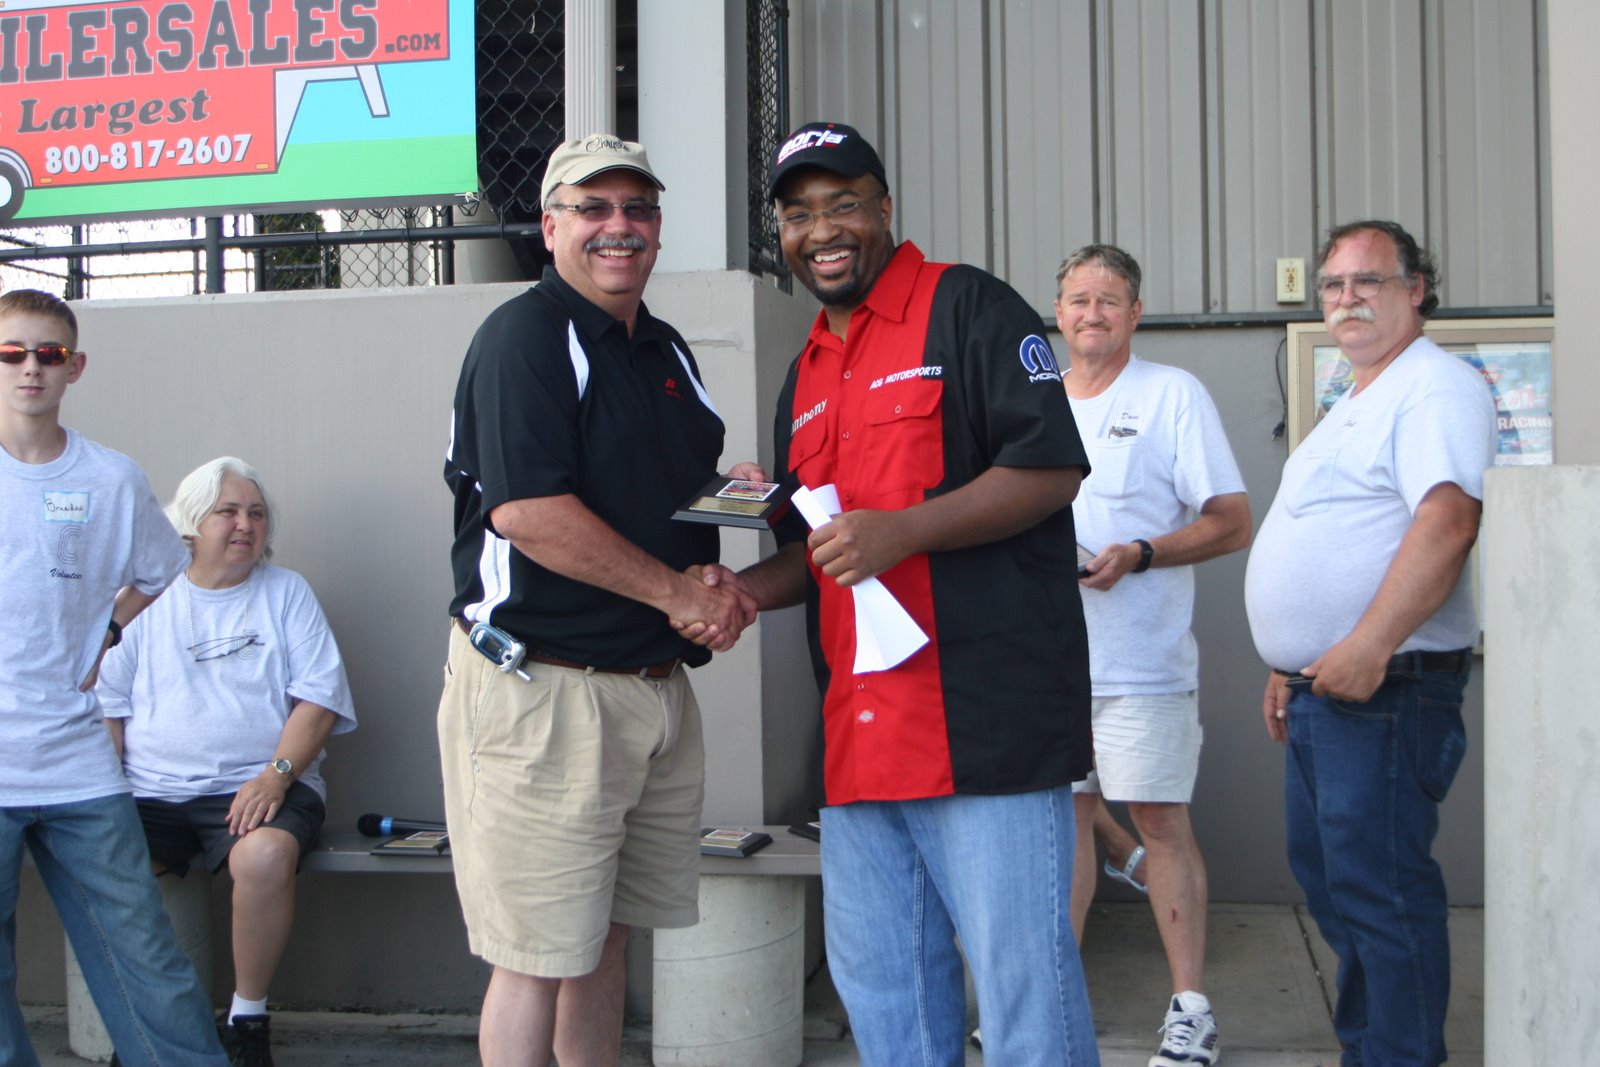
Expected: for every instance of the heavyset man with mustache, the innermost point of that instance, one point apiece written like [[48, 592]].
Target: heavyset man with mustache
[[573, 788], [1358, 601]]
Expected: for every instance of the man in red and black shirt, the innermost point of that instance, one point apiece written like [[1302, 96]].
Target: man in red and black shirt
[[927, 395]]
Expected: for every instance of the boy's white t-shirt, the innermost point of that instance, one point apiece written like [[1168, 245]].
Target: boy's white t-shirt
[[1157, 453], [72, 533], [204, 728], [1349, 494]]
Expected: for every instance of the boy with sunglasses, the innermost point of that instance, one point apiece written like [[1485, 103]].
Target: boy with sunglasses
[[78, 523]]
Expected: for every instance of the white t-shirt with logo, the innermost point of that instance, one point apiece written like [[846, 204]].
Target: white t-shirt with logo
[[1348, 495], [203, 728], [72, 532], [1158, 453]]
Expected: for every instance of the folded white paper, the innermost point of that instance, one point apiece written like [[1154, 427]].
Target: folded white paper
[[886, 635]]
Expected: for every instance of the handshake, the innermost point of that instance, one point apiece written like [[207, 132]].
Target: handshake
[[715, 605]]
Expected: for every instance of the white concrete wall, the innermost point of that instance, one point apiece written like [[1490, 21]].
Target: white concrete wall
[[1542, 597], [1541, 941]]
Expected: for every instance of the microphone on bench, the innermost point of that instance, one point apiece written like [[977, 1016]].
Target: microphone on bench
[[387, 825]]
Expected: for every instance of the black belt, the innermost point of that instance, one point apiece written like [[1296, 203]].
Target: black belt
[[1418, 662], [655, 670]]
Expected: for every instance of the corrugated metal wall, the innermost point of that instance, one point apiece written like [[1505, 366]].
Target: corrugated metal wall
[[1209, 137]]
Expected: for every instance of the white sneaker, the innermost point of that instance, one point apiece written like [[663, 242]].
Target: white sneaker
[[1189, 1038]]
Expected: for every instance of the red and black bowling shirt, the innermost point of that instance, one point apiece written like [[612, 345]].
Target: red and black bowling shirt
[[944, 374]]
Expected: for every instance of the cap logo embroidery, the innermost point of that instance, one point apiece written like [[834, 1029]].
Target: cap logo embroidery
[[809, 139]]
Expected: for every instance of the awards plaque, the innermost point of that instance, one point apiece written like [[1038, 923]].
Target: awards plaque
[[735, 502], [422, 843], [731, 842]]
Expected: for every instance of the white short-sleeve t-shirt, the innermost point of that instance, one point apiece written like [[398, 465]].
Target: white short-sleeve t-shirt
[[1158, 453], [202, 728], [72, 532], [1348, 495]]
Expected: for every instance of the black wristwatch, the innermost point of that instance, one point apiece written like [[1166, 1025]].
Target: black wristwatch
[[116, 632], [1146, 554]]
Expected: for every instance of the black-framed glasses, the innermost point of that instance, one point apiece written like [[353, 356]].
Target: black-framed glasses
[[223, 647], [48, 355], [601, 210], [1364, 286], [800, 221]]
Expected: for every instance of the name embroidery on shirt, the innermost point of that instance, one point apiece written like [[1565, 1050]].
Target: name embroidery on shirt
[[807, 416]]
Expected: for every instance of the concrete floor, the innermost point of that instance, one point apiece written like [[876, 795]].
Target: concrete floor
[[1269, 976]]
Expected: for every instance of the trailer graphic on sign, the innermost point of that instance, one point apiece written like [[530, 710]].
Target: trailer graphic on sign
[[147, 90]]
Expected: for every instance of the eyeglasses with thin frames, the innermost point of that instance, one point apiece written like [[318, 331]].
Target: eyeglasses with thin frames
[[223, 647], [800, 221], [601, 210], [1364, 286], [48, 355]]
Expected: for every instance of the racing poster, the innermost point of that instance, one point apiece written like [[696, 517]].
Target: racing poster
[[152, 107]]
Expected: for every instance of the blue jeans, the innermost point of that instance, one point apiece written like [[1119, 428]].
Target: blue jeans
[[901, 880], [92, 858], [1362, 792]]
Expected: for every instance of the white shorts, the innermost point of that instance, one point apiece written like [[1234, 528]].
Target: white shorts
[[1146, 747]]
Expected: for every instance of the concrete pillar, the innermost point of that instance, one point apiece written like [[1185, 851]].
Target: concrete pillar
[[730, 991], [188, 904], [1541, 746], [591, 72], [692, 122]]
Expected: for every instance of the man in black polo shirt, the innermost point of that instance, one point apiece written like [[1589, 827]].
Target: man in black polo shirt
[[573, 782]]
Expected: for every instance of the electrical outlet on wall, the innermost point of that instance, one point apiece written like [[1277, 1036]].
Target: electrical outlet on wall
[[1292, 281]]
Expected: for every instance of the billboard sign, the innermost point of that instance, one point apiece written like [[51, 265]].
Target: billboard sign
[[149, 107]]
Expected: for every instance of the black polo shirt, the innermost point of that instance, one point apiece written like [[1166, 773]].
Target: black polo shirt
[[556, 398], [944, 373]]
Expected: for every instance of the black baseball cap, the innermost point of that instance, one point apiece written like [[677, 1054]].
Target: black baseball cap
[[829, 145]]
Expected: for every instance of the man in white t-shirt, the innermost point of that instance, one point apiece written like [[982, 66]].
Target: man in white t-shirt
[[1163, 495], [1358, 602], [84, 548]]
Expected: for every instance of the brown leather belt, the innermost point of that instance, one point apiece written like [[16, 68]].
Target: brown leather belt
[[655, 671]]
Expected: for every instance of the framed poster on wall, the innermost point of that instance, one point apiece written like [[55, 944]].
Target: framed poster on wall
[[1513, 355]]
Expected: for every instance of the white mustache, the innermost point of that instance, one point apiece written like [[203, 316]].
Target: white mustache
[[632, 242], [1360, 312]]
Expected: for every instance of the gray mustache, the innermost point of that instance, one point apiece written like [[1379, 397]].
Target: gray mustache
[[1357, 311], [630, 243]]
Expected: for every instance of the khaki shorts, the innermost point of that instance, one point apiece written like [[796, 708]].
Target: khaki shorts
[[573, 802], [1146, 748]]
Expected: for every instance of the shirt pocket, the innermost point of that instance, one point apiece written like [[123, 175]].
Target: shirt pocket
[[1307, 485], [806, 460], [1115, 468], [904, 435]]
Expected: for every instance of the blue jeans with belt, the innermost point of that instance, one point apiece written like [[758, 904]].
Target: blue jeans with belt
[[92, 858], [1362, 792]]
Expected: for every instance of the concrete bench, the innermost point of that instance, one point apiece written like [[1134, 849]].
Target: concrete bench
[[728, 991]]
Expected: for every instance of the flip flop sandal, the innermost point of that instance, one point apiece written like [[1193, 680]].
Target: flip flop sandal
[[1124, 874]]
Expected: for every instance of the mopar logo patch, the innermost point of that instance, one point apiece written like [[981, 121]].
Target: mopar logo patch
[[1038, 360]]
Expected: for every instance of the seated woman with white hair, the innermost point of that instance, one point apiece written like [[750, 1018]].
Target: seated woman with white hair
[[220, 699]]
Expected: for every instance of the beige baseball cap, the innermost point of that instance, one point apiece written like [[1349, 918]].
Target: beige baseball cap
[[577, 161]]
